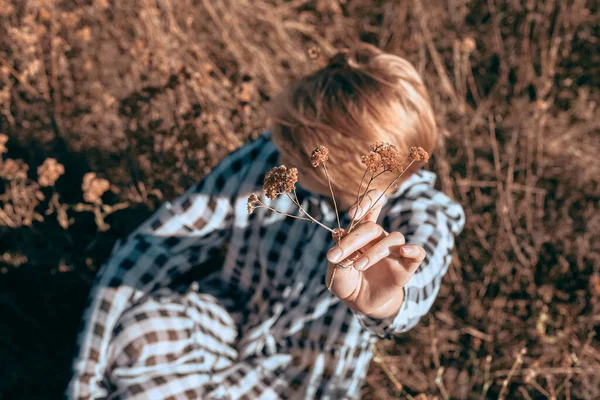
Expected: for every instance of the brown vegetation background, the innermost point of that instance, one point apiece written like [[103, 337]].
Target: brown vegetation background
[[136, 100]]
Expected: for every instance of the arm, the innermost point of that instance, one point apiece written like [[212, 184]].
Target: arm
[[395, 289], [429, 226], [180, 235]]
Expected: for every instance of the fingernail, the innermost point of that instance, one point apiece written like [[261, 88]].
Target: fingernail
[[361, 263], [334, 254], [408, 251]]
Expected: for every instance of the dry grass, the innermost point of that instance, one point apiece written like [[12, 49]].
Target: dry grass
[[149, 95]]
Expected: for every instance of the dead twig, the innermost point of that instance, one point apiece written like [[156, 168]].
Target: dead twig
[[23, 81], [435, 56], [386, 369], [516, 364]]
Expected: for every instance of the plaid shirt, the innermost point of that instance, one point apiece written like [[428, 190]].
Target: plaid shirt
[[289, 324]]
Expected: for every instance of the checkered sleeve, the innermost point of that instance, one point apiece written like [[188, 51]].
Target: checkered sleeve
[[430, 219], [180, 235]]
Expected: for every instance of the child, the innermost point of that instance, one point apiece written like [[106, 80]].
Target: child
[[265, 325]]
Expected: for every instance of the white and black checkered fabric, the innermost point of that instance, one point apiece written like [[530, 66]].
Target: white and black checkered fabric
[[264, 326]]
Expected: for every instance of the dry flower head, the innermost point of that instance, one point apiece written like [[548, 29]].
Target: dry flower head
[[3, 141], [280, 180], [49, 172], [595, 285], [383, 157], [13, 169], [418, 154], [319, 156], [253, 203], [372, 161], [468, 45], [94, 187], [314, 52]]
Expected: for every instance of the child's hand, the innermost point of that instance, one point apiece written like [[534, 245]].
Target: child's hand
[[374, 285]]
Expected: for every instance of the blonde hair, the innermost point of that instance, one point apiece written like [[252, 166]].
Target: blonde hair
[[363, 95]]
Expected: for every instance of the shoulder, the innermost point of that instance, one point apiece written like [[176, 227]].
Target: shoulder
[[252, 154], [254, 157], [417, 199]]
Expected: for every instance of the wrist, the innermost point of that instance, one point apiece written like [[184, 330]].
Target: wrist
[[391, 308]]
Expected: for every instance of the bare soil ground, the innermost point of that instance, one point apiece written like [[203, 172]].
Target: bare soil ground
[[149, 94]]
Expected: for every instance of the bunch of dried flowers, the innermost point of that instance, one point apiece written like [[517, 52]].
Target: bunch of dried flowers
[[382, 158], [49, 172]]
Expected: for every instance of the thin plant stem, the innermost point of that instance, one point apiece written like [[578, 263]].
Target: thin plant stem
[[354, 221], [386, 369], [439, 381], [305, 213], [382, 194], [577, 360], [506, 381], [540, 389], [486, 377], [374, 176], [381, 173], [331, 280], [281, 212], [337, 214], [358, 194]]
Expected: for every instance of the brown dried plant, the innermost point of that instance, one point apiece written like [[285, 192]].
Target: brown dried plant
[[313, 53], [22, 199], [383, 158], [19, 195], [527, 181], [49, 172], [3, 141], [94, 187]]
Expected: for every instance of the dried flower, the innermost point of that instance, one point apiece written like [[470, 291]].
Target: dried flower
[[49, 172], [319, 156], [3, 140], [383, 157], [253, 203], [468, 45], [314, 52], [372, 161], [94, 187], [418, 154], [595, 284], [245, 92], [280, 180], [14, 169], [530, 375], [390, 156]]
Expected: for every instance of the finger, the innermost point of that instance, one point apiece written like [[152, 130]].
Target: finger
[[370, 204], [346, 282], [361, 236], [388, 247], [413, 256]]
